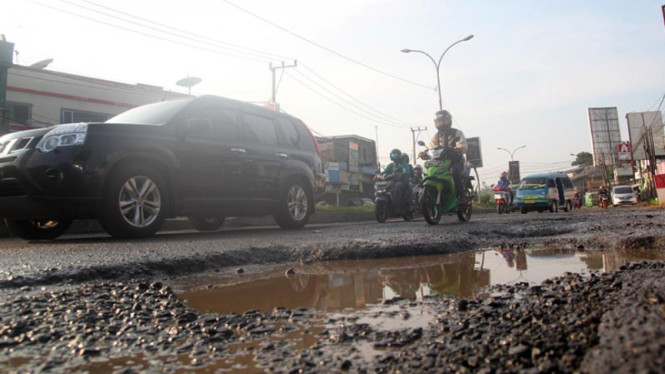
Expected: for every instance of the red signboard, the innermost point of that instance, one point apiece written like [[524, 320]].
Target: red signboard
[[623, 150]]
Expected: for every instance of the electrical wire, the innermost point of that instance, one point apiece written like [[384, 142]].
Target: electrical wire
[[348, 102], [322, 47], [148, 35], [187, 32], [338, 104], [353, 98]]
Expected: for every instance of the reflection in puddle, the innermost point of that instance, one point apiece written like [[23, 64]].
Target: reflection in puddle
[[338, 287]]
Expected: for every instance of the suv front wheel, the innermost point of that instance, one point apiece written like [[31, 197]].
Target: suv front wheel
[[135, 203], [293, 209]]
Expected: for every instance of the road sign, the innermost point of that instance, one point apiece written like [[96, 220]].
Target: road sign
[[473, 153], [514, 171]]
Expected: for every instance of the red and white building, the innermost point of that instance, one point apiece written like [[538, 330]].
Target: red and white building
[[40, 98]]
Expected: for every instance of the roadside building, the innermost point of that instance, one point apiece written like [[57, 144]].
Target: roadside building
[[39, 98], [350, 164]]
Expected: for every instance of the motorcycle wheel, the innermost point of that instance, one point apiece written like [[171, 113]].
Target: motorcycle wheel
[[464, 211], [430, 209], [500, 208], [381, 211]]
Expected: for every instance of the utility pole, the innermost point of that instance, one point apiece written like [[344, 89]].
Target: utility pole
[[273, 69], [6, 55], [413, 136], [378, 163]]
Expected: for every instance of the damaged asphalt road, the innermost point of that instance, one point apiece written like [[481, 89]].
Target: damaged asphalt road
[[88, 302], [76, 259]]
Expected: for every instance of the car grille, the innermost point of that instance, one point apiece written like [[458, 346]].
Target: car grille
[[11, 187]]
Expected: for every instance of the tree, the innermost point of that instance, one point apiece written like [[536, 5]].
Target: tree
[[583, 159]]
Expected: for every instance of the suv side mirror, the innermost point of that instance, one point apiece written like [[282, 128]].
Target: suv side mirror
[[196, 126]]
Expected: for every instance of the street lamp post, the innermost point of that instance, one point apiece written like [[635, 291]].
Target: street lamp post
[[513, 152], [438, 65]]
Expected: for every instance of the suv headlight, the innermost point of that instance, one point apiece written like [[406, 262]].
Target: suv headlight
[[63, 136]]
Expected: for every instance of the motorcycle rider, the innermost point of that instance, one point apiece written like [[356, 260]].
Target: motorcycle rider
[[504, 182], [400, 166], [602, 191], [418, 175], [455, 140]]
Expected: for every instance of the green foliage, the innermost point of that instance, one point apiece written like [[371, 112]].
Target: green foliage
[[486, 198], [583, 159]]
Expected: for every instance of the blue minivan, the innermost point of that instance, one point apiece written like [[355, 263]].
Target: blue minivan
[[546, 191]]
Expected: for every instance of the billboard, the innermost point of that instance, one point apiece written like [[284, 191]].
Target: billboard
[[514, 171], [473, 154], [605, 135], [652, 122]]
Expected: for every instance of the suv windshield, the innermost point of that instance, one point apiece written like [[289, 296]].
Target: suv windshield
[[151, 114], [623, 190], [532, 183]]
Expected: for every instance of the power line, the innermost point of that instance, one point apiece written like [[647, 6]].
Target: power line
[[187, 32], [358, 101], [146, 34], [348, 102], [338, 104], [324, 48]]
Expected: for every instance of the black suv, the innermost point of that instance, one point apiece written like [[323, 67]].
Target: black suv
[[205, 158]]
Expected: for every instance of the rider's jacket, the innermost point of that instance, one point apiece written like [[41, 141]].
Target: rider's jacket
[[447, 138], [503, 183], [403, 165]]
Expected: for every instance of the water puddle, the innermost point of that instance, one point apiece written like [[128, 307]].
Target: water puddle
[[355, 292], [346, 295], [350, 286]]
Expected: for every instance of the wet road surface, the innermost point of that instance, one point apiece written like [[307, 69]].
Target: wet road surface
[[264, 299]]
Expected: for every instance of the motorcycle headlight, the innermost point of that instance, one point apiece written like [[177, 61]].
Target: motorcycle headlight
[[63, 136]]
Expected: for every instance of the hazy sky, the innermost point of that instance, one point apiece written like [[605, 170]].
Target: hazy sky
[[526, 78]]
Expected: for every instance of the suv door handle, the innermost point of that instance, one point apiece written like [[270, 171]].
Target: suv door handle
[[238, 150], [282, 155]]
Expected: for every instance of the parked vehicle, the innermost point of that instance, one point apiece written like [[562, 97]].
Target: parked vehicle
[[591, 199], [623, 195], [386, 204], [439, 195], [547, 191], [503, 199], [205, 158]]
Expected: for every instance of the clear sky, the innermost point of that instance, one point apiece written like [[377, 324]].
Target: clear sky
[[526, 78]]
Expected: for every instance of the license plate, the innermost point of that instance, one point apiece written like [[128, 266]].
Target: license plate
[[529, 201]]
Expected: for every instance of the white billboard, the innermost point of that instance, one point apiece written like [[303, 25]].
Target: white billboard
[[605, 135], [652, 122]]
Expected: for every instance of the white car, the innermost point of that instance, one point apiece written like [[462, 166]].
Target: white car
[[622, 195]]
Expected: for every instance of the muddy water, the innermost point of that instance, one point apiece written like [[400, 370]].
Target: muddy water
[[346, 286], [351, 291]]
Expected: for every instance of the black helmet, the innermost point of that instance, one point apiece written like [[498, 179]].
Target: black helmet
[[395, 155], [418, 167], [443, 120]]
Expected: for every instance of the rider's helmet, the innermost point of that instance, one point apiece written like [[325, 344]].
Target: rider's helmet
[[443, 120], [395, 155], [504, 174], [418, 167]]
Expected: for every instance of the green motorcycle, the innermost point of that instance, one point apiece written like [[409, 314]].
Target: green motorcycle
[[439, 195]]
